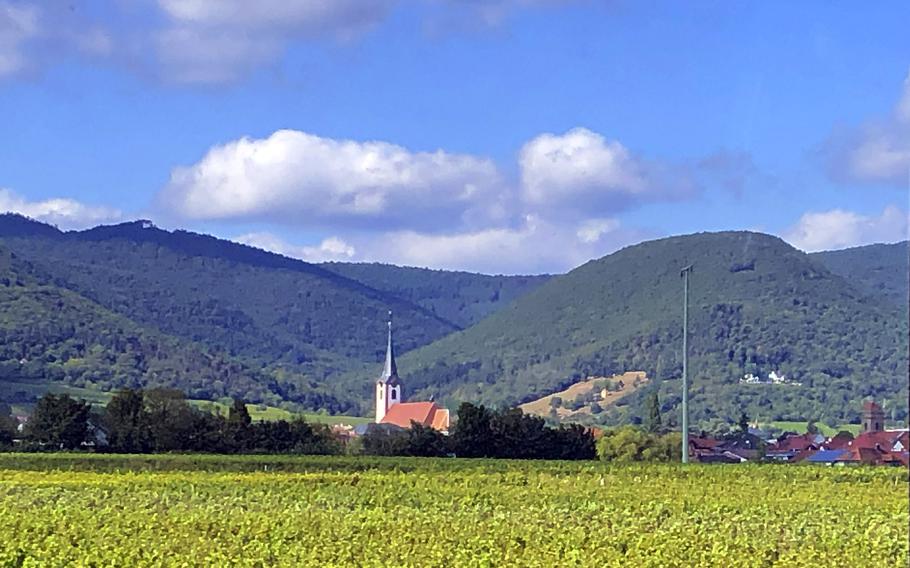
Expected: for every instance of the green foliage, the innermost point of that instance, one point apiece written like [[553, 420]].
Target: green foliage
[[8, 426], [653, 422], [462, 298], [174, 510], [127, 423], [881, 270], [417, 441], [743, 422], [629, 444], [132, 306], [510, 433], [59, 422], [757, 305]]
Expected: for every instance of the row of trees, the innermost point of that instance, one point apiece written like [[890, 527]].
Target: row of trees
[[161, 420], [481, 432]]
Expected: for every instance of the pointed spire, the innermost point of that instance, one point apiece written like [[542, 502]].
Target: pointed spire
[[391, 369]]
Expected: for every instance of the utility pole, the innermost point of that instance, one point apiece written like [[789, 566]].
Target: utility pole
[[685, 378]]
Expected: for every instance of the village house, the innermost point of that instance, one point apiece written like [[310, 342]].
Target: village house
[[874, 446]]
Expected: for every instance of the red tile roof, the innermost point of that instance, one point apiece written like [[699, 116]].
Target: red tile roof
[[884, 441], [425, 413], [795, 443]]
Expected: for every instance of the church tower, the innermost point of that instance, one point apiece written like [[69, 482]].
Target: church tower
[[388, 385], [873, 417]]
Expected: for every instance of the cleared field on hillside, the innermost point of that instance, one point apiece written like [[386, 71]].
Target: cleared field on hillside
[[63, 510], [625, 384]]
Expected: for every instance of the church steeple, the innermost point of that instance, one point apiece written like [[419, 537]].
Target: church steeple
[[388, 385], [391, 369]]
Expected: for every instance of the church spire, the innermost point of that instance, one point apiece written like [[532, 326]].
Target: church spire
[[391, 369]]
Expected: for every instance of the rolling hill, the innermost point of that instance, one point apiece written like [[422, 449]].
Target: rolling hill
[[281, 319], [49, 334], [463, 298], [132, 304], [882, 270], [757, 305]]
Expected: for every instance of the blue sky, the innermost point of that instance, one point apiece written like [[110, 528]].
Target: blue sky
[[500, 136]]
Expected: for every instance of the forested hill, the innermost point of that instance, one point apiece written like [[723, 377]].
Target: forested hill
[[757, 305], [880, 269], [242, 300], [278, 316], [463, 298], [49, 333], [133, 305]]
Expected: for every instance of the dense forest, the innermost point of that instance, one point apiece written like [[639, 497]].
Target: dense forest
[[881, 270], [757, 305], [133, 306], [463, 298]]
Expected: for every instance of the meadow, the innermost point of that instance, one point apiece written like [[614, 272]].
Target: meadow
[[190, 510]]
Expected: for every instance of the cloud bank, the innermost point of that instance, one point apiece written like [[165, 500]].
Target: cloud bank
[[62, 212], [837, 228], [877, 152], [424, 208]]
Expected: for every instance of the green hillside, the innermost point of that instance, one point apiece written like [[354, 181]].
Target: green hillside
[[291, 326], [758, 305], [246, 302], [53, 336], [463, 298], [882, 270]]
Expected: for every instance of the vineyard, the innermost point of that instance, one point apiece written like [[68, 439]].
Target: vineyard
[[96, 510]]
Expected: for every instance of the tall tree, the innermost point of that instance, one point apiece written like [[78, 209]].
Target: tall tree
[[127, 422], [743, 423], [238, 433], [653, 421], [59, 421], [171, 420], [8, 426], [471, 437]]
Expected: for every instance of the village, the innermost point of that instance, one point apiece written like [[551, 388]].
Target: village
[[874, 445]]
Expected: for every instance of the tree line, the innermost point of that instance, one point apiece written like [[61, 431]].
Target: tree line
[[481, 432], [161, 420]]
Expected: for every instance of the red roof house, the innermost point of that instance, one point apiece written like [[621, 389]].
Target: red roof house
[[423, 413]]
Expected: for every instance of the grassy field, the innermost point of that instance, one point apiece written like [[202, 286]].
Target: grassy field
[[97, 510], [541, 406], [824, 429]]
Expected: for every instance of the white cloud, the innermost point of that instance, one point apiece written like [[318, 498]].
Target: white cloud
[[592, 230], [838, 228], [297, 177], [32, 34], [434, 209], [219, 41], [63, 212], [879, 151], [534, 246], [581, 169], [18, 25], [331, 248]]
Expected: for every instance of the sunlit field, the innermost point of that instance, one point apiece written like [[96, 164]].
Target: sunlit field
[[64, 510]]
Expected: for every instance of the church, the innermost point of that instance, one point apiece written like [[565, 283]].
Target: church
[[390, 393]]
